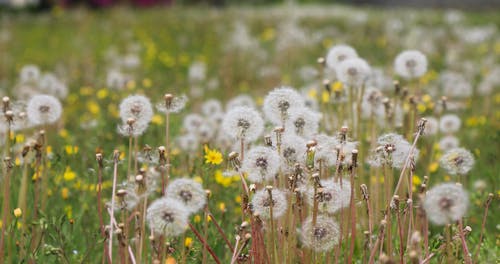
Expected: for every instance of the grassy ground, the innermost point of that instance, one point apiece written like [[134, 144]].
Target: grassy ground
[[80, 46]]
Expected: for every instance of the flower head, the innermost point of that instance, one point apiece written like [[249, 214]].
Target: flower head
[[448, 142], [450, 123], [446, 203], [322, 236], [261, 164], [262, 203], [410, 64], [168, 217], [303, 122], [240, 100], [172, 104], [332, 196], [293, 148], [212, 156], [189, 192], [392, 150], [279, 102], [353, 72], [137, 107], [43, 109], [339, 53], [243, 123], [457, 161]]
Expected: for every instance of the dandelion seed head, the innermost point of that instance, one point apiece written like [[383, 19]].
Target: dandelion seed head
[[261, 164], [50, 84], [168, 217], [243, 122], [137, 107], [174, 105], [279, 102], [240, 100], [353, 72], [334, 196], [448, 142], [410, 64], [211, 107], [446, 203], [132, 129], [262, 204], [303, 122], [339, 53], [457, 161], [326, 149], [450, 123], [189, 192], [29, 74], [43, 109], [392, 149], [188, 142], [322, 236], [431, 126], [293, 148]]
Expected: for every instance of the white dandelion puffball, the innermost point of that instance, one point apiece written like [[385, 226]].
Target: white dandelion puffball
[[211, 107], [167, 217], [446, 203], [132, 129], [188, 142], [174, 106], [261, 164], [192, 122], [448, 142], [240, 100], [339, 53], [450, 123], [279, 102], [410, 64], [353, 72], [326, 149], [137, 107], [243, 123], [29, 74], [303, 122], [457, 161], [43, 109], [189, 192], [333, 196], [322, 236], [262, 203], [392, 149], [431, 126], [293, 148]]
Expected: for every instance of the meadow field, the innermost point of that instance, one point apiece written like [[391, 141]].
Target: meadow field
[[272, 134]]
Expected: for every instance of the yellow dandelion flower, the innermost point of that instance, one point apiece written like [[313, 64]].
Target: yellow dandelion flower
[[102, 93], [312, 93], [93, 107], [147, 83], [237, 199], [222, 207], [63, 133], [198, 179], [65, 193], [188, 242], [19, 138], [220, 179], [18, 212], [48, 150], [157, 119], [325, 97], [69, 175], [433, 167], [337, 86], [212, 156], [197, 218]]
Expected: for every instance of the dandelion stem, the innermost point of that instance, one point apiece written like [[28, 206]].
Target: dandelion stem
[[485, 215], [116, 156], [466, 253], [216, 259]]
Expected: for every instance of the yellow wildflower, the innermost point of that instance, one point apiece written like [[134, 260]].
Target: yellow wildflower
[[19, 138], [222, 207], [157, 119], [188, 241], [18, 212], [433, 167], [170, 260], [197, 218], [147, 83], [65, 193], [69, 175], [325, 97], [102, 93], [212, 156]]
